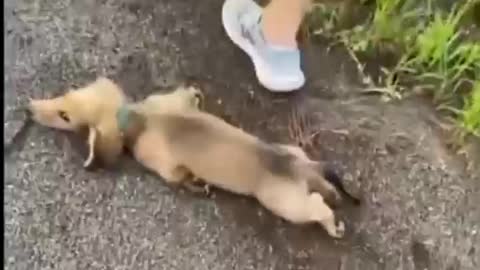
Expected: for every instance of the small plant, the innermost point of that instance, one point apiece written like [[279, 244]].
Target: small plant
[[324, 16], [393, 26], [392, 21], [470, 116]]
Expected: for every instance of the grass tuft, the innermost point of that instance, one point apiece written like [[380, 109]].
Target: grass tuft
[[432, 47]]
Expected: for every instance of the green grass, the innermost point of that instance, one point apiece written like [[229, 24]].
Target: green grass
[[438, 54], [432, 52], [470, 115]]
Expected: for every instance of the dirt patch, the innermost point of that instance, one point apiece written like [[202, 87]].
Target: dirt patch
[[420, 208]]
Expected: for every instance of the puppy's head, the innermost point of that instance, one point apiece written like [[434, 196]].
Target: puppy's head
[[61, 112], [94, 107], [77, 108]]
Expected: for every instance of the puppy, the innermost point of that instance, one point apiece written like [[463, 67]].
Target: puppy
[[281, 177], [94, 107]]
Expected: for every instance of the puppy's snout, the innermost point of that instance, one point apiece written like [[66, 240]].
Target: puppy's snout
[[26, 108], [28, 111], [31, 107]]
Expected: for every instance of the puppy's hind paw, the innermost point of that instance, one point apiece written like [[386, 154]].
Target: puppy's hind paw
[[341, 229]]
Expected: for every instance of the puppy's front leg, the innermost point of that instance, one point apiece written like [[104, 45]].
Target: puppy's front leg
[[323, 214]]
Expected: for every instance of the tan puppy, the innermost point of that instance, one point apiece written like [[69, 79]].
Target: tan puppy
[[281, 177]]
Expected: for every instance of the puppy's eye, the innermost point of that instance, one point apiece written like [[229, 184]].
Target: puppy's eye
[[64, 116]]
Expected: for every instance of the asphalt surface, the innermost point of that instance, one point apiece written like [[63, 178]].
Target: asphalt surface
[[420, 206]]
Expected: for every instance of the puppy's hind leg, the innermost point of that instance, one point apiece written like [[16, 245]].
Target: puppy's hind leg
[[317, 183], [295, 150], [294, 202], [323, 214]]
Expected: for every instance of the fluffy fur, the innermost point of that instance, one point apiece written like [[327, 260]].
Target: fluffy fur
[[179, 144]]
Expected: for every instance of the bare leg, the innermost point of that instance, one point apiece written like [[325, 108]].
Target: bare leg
[[281, 21]]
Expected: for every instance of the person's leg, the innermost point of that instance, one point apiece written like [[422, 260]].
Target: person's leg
[[268, 36], [281, 21]]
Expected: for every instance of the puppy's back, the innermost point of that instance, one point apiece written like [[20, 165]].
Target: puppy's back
[[215, 150]]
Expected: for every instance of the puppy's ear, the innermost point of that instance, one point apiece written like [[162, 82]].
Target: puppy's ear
[[91, 143], [103, 149], [332, 176]]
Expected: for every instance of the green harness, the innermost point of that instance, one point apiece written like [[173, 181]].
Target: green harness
[[123, 117]]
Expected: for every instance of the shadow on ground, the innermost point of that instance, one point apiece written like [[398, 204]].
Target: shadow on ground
[[420, 210]]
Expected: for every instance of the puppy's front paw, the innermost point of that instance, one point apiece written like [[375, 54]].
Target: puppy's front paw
[[338, 231]]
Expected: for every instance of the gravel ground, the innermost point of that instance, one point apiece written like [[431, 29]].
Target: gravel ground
[[420, 207]]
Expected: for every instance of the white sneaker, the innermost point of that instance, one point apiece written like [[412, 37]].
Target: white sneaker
[[277, 68]]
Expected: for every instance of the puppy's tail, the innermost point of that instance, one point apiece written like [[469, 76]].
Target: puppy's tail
[[332, 176]]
